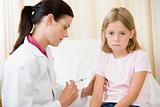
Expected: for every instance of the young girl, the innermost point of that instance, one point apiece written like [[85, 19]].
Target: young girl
[[29, 77], [123, 64]]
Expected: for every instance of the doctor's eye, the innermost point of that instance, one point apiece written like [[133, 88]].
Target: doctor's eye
[[65, 28]]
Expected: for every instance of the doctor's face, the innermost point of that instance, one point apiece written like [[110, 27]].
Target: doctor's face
[[58, 30]]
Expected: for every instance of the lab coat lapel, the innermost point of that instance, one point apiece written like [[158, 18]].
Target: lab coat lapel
[[51, 68], [46, 63]]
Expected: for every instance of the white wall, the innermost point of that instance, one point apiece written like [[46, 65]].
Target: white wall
[[30, 2]]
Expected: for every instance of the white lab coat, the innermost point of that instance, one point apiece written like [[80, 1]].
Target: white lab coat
[[29, 79]]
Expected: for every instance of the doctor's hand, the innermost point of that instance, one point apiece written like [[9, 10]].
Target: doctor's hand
[[68, 94], [87, 91]]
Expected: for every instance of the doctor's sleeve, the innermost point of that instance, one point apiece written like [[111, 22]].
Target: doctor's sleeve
[[18, 87], [79, 102]]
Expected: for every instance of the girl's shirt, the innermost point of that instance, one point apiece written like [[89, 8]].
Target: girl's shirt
[[119, 73]]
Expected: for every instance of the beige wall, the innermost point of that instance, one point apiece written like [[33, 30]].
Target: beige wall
[[156, 37], [87, 23]]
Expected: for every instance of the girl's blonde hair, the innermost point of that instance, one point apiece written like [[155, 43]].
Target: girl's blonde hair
[[123, 15]]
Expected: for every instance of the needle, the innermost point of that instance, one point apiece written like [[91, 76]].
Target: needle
[[81, 80]]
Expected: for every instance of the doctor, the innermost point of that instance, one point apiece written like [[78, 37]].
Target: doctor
[[29, 79]]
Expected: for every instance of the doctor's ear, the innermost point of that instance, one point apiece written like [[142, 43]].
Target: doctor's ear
[[50, 19]]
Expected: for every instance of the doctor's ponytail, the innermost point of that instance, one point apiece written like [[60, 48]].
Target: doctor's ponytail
[[32, 15], [25, 26]]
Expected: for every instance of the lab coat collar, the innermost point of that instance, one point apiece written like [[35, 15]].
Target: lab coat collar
[[34, 49]]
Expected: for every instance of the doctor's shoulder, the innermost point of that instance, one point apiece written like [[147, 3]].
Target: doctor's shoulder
[[21, 57], [20, 54]]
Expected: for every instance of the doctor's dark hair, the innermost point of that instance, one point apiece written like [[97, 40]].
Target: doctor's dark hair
[[32, 15]]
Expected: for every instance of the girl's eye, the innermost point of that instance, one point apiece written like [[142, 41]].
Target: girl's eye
[[110, 33], [122, 33]]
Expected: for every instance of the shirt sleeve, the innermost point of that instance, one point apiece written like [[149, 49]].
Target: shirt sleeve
[[55, 103], [17, 88], [99, 65], [57, 90], [142, 62]]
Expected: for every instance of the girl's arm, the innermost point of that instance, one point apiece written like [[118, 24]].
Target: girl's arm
[[97, 95], [134, 90]]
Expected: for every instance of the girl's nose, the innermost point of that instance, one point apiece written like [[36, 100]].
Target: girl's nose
[[116, 38]]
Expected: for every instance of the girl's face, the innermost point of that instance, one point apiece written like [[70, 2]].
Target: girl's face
[[118, 36], [57, 30]]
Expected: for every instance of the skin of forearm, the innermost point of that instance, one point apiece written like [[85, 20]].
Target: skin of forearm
[[134, 91], [97, 96], [126, 101], [96, 101]]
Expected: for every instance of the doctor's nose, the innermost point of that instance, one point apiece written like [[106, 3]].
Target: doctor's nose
[[66, 34]]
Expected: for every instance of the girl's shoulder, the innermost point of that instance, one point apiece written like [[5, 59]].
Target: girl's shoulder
[[139, 53], [140, 56]]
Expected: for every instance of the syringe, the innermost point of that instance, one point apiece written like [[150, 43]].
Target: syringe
[[81, 80]]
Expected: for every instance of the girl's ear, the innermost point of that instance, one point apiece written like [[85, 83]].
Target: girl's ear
[[132, 33], [50, 19]]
